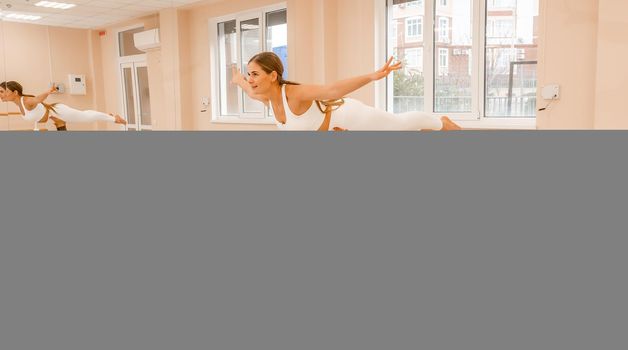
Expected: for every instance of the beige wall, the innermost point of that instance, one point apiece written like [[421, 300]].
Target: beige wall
[[583, 46], [611, 110], [567, 56], [171, 71], [355, 47]]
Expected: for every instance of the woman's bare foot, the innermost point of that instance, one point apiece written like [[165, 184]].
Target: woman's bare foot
[[449, 125], [119, 119]]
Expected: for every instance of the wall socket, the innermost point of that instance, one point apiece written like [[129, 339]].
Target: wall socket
[[204, 104], [551, 92]]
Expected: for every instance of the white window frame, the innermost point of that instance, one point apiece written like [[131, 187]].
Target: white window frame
[[474, 120], [131, 58], [123, 61], [266, 117], [140, 124]]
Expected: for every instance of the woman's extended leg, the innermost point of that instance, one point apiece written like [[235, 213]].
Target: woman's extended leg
[[69, 114], [356, 116]]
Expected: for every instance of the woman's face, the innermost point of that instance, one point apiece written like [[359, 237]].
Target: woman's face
[[259, 80], [7, 95]]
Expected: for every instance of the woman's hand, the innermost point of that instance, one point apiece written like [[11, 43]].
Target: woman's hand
[[388, 68], [236, 77], [31, 102]]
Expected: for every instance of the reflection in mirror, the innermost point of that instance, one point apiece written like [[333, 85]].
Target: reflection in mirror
[[145, 63], [93, 66]]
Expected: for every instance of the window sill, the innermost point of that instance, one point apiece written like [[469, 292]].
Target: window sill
[[497, 124], [484, 124]]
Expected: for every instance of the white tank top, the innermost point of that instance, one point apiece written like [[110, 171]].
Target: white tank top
[[36, 114], [308, 121]]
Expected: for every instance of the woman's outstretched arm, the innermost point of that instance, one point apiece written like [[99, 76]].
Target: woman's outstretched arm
[[31, 102], [341, 88], [41, 98]]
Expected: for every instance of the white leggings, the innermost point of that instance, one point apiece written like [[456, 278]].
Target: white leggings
[[69, 114], [355, 115]]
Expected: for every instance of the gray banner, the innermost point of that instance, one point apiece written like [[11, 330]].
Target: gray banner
[[299, 241]]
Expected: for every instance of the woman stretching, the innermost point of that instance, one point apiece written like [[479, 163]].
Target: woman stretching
[[34, 109], [322, 107]]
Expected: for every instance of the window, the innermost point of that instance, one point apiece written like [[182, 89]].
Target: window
[[452, 81], [228, 53], [408, 46], [414, 29], [414, 59], [502, 4], [478, 59], [416, 3], [394, 30], [126, 42], [443, 61], [497, 27], [443, 29], [235, 39], [511, 59]]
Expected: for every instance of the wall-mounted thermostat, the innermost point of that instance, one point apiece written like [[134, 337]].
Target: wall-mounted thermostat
[[77, 84]]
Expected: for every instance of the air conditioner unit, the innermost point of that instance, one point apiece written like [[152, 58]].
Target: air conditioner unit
[[147, 40]]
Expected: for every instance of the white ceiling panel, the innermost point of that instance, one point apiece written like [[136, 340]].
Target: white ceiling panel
[[86, 13]]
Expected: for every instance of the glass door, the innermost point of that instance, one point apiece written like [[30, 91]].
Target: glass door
[[136, 95]]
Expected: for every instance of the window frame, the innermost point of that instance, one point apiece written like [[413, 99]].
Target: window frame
[[264, 118]]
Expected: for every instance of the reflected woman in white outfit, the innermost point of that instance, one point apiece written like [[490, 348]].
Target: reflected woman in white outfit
[[34, 109], [323, 107]]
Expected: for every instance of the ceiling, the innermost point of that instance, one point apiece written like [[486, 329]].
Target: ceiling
[[86, 13]]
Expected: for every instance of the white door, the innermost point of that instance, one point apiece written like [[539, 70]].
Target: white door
[[136, 95]]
